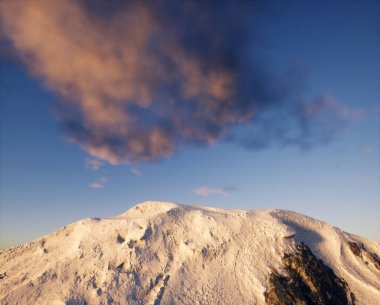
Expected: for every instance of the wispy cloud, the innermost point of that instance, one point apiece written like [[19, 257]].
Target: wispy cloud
[[93, 164], [99, 184], [135, 171], [207, 191], [328, 106], [366, 149], [326, 118], [96, 185]]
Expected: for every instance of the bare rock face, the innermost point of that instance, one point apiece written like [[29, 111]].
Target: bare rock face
[[307, 280], [359, 250], [161, 253]]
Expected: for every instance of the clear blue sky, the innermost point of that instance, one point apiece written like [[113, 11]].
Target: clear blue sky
[[47, 183]]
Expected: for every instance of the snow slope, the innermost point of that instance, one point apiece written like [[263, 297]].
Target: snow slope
[[165, 253]]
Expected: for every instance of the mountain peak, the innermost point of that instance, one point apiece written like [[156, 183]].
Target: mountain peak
[[150, 208], [167, 253]]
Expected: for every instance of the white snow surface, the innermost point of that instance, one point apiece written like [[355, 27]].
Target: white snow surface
[[166, 253]]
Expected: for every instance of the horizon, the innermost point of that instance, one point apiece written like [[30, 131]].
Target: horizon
[[249, 106]]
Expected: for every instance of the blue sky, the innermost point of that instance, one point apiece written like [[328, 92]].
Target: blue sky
[[47, 181]]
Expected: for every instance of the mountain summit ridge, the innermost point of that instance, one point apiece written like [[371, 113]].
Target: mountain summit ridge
[[168, 253]]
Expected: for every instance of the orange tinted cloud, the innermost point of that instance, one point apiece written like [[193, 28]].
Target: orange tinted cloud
[[139, 81], [102, 66]]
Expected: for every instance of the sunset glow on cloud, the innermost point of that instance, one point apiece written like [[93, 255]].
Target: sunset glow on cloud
[[138, 83]]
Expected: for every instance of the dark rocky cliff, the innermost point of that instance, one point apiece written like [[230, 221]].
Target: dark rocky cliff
[[307, 280]]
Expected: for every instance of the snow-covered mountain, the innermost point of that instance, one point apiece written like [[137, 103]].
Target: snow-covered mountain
[[165, 253]]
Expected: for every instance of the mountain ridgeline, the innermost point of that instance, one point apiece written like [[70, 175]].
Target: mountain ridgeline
[[160, 253]]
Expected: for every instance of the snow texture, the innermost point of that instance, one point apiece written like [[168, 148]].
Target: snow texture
[[165, 253]]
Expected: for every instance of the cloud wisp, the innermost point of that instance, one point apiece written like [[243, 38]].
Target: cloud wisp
[[366, 149], [135, 171], [207, 191], [139, 81], [93, 164], [99, 184]]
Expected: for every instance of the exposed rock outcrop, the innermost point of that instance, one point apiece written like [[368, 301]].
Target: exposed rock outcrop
[[307, 280]]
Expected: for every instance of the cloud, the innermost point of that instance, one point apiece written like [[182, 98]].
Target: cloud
[[139, 81], [326, 104], [206, 191], [96, 185], [99, 184], [366, 149], [135, 171], [93, 164], [325, 118], [303, 125]]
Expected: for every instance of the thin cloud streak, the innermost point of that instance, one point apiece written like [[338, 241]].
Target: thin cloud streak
[[98, 184], [366, 149], [326, 103], [207, 191], [93, 164], [135, 171]]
